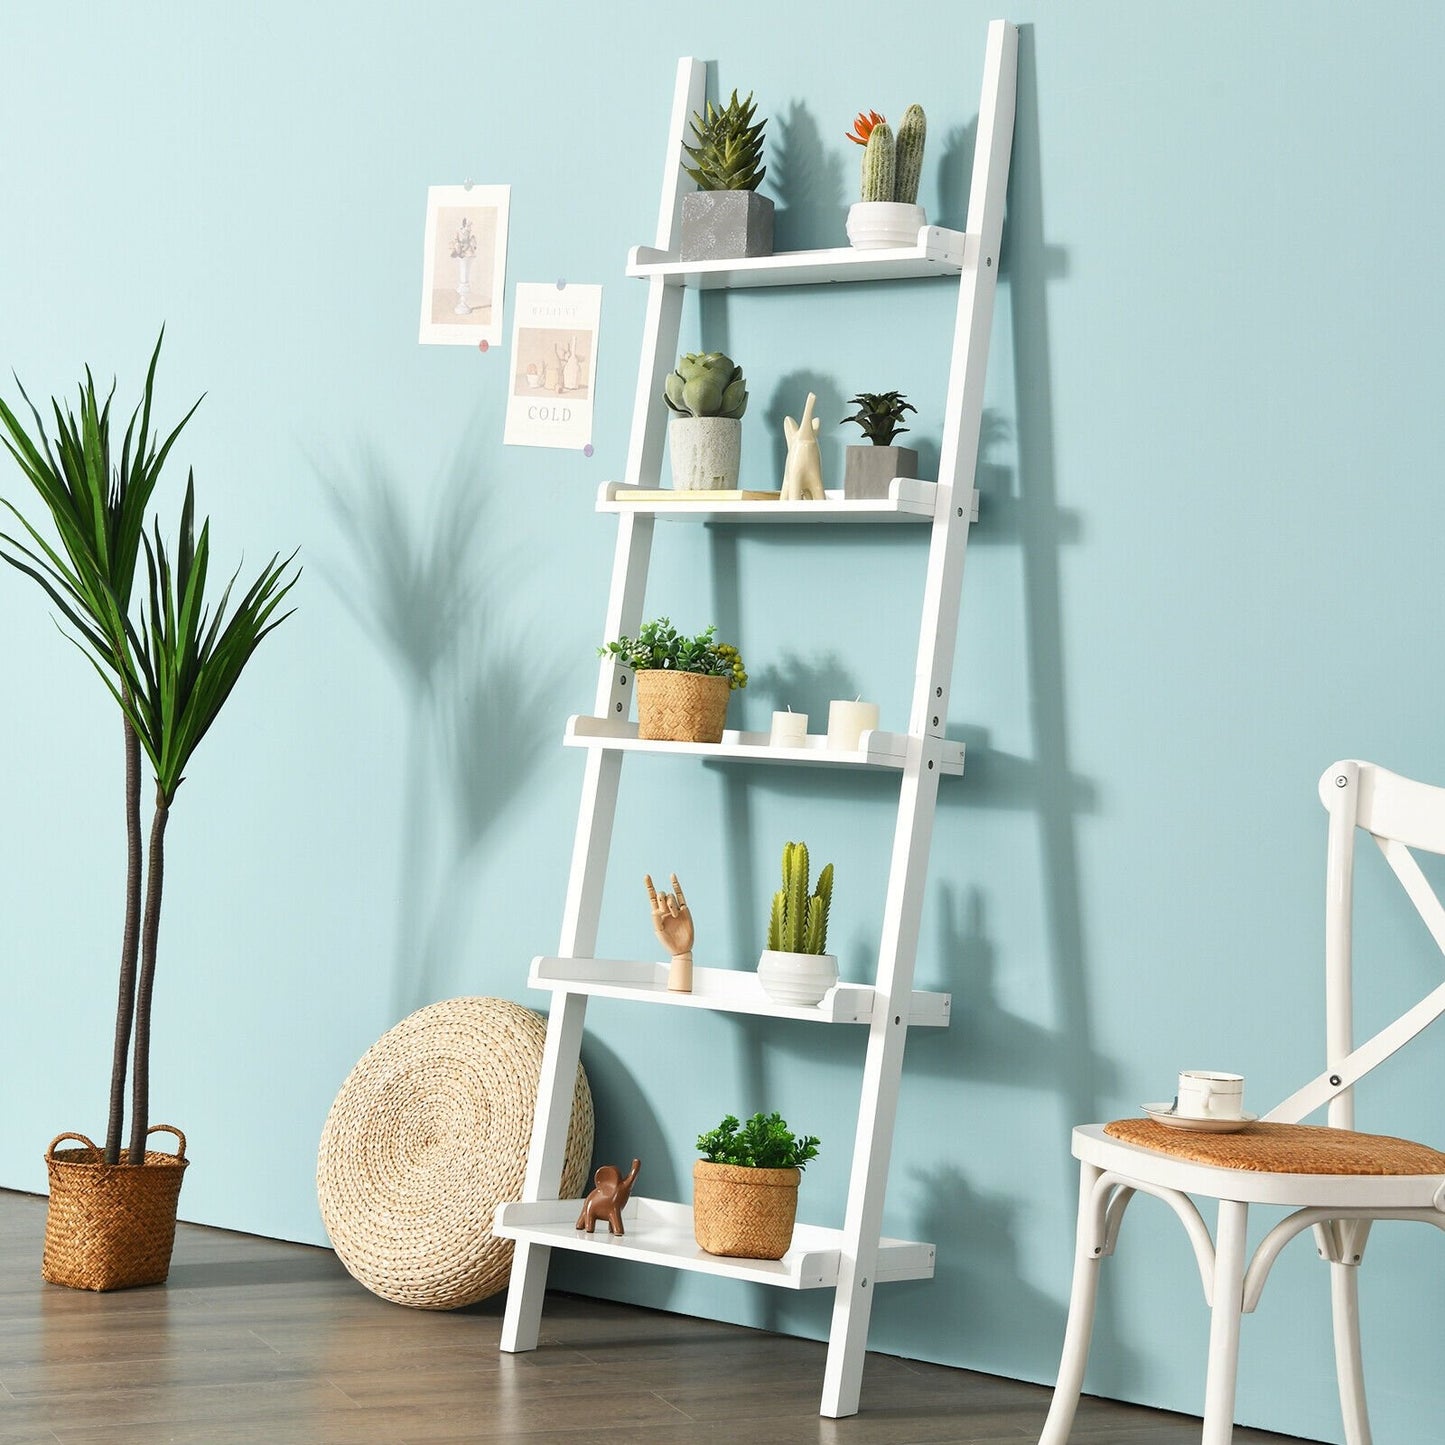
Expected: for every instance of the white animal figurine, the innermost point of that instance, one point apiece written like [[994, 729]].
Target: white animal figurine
[[803, 474]]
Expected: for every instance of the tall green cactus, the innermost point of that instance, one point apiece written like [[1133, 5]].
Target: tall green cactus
[[798, 922], [908, 155], [878, 164]]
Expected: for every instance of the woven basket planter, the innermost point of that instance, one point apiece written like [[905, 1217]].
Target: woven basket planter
[[428, 1135], [743, 1212], [681, 707], [111, 1226]]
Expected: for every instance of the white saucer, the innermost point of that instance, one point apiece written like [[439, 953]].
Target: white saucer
[[1164, 1114]]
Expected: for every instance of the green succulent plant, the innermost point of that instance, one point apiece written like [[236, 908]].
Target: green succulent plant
[[764, 1142], [729, 147], [798, 922], [658, 644], [706, 384], [880, 415]]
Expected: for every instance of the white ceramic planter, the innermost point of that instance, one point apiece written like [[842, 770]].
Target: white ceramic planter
[[706, 452], [797, 978], [874, 225]]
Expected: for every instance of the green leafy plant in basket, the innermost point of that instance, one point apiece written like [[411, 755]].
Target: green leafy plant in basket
[[764, 1142], [169, 659], [659, 645]]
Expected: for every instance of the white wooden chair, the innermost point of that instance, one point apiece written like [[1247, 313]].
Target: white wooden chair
[[1336, 1181]]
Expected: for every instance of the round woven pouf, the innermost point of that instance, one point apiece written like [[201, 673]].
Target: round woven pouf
[[428, 1135]]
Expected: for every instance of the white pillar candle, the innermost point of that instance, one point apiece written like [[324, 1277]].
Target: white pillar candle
[[790, 730], [848, 721]]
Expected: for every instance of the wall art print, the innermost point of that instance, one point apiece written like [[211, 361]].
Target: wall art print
[[554, 365], [464, 265]]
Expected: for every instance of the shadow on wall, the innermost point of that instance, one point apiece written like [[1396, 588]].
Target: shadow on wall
[[808, 181], [476, 699]]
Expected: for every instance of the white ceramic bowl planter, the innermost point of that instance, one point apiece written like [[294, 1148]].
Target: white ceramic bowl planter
[[797, 978], [874, 225]]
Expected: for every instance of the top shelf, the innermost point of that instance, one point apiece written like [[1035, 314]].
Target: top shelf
[[938, 252]]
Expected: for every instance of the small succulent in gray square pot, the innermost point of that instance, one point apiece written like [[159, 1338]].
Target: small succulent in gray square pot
[[708, 396], [868, 469], [725, 217]]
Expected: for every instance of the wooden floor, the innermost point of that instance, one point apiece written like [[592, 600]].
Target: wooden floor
[[274, 1344]]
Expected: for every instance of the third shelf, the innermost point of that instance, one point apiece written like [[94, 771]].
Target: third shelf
[[724, 990]]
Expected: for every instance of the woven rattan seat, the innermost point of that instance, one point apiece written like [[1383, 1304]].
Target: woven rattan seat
[[429, 1134], [1285, 1149]]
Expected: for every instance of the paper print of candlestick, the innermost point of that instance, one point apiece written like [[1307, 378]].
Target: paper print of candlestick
[[464, 265]]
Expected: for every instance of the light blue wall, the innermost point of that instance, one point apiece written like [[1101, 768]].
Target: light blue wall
[[1208, 564]]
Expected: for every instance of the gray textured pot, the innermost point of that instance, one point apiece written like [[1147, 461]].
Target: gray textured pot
[[868, 470], [706, 451], [726, 225]]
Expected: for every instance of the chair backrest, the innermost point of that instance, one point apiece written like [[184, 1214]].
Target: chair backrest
[[1399, 815]]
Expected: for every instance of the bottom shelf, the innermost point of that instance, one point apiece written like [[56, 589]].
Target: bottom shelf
[[660, 1232]]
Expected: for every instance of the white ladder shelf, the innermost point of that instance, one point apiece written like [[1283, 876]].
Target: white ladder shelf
[[853, 1259]]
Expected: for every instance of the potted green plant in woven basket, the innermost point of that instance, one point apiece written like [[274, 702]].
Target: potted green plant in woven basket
[[745, 1186], [169, 660], [683, 683], [726, 217]]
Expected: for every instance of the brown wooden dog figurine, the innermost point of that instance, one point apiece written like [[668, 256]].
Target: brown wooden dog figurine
[[607, 1199]]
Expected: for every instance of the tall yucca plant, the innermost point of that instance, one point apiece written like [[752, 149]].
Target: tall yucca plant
[[98, 510], [177, 671], [170, 669]]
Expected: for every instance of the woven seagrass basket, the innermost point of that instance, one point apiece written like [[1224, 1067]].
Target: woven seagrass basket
[[681, 707], [743, 1212], [111, 1226]]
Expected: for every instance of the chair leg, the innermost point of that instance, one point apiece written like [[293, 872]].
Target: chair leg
[[1227, 1309], [1088, 1250], [1345, 1298]]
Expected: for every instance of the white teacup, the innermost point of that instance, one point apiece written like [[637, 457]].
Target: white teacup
[[1208, 1094]]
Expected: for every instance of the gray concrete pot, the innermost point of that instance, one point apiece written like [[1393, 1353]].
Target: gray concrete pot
[[726, 225], [867, 470], [706, 452]]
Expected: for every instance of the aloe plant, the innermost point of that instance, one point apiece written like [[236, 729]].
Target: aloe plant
[[880, 415], [706, 384], [170, 670], [798, 922], [729, 147]]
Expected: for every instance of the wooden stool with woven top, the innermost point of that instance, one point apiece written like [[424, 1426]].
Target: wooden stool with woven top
[[1336, 1181]]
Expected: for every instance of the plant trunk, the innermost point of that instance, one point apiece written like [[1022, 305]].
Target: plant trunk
[[129, 948], [150, 929]]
